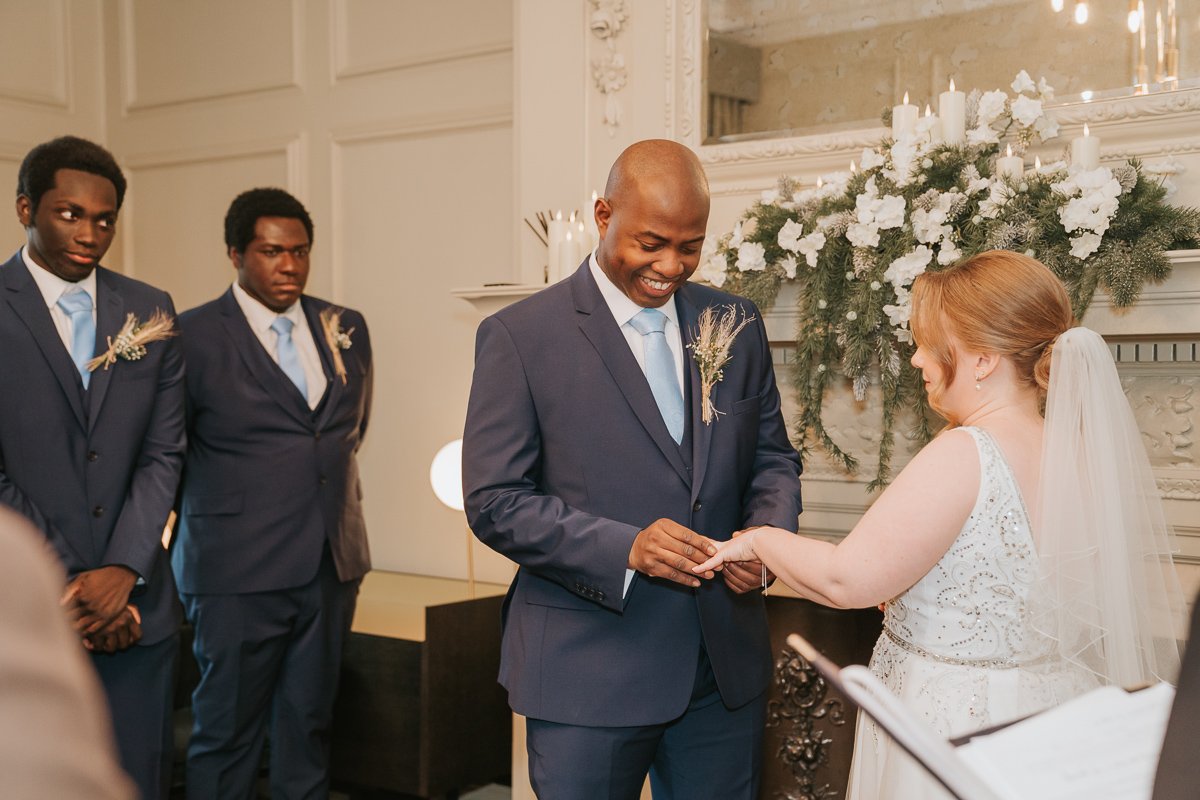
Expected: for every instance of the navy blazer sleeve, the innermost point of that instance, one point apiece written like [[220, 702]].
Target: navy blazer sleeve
[[501, 464], [12, 496], [137, 537]]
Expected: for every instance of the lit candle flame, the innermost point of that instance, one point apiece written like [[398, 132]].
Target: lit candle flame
[[952, 84], [1081, 13], [928, 112], [906, 98], [853, 168], [1010, 151], [1037, 162], [820, 182], [1085, 130]]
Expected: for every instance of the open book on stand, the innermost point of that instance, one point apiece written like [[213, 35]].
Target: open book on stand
[[1102, 745]]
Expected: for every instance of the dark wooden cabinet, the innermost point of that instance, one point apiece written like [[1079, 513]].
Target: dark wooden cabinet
[[419, 711], [809, 738]]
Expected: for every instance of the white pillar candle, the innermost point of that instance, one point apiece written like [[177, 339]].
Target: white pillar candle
[[568, 257], [557, 234], [1010, 167], [904, 118], [934, 126], [1085, 150], [952, 108]]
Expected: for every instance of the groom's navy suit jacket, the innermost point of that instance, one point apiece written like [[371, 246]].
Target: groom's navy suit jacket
[[95, 471], [268, 481], [566, 458]]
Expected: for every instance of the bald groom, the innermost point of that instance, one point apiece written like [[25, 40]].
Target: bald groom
[[586, 462]]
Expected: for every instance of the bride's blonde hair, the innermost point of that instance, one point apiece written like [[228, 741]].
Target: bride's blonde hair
[[995, 302]]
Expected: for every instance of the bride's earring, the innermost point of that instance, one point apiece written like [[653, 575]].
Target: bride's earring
[[978, 381]]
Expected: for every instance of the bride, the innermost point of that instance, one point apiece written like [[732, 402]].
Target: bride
[[1022, 560]]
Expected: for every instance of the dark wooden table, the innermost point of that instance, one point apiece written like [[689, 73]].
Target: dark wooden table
[[419, 712]]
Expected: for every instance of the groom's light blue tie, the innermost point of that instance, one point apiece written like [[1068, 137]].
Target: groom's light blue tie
[[289, 358], [76, 303], [660, 369]]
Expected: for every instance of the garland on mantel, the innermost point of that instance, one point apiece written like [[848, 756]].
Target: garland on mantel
[[854, 244]]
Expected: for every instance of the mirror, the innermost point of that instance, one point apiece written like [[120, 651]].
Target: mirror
[[778, 68]]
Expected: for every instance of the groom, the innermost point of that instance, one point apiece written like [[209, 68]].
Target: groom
[[586, 461]]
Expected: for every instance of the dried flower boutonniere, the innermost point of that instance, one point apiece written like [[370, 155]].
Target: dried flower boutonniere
[[710, 348], [337, 339], [130, 342]]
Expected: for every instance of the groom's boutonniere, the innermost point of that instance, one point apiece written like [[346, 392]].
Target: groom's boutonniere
[[710, 348], [337, 339], [130, 342]]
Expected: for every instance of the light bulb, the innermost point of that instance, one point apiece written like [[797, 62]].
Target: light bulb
[[1134, 20], [1081, 13]]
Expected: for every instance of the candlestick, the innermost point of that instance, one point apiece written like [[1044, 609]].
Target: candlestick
[[1085, 150], [904, 118], [1011, 167], [557, 234], [952, 108], [1158, 35]]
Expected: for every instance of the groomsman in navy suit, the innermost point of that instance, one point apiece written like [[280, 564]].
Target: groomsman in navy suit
[[92, 456], [272, 545], [586, 460]]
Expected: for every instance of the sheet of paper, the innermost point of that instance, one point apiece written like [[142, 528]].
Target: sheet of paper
[[1101, 746]]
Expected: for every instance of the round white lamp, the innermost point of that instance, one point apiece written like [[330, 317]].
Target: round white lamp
[[445, 476]]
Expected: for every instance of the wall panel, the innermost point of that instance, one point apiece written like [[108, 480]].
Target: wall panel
[[175, 238], [34, 38], [180, 52], [417, 215]]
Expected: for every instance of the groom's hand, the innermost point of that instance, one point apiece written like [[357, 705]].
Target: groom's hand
[[666, 549]]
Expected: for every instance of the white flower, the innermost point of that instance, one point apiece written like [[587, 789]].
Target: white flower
[[875, 286], [713, 269], [948, 254], [1000, 195], [904, 154], [769, 196], [1085, 244], [889, 213], [982, 135], [850, 276], [789, 266], [905, 269], [871, 159], [991, 106], [821, 304], [811, 245], [1026, 110], [820, 367], [1024, 83], [735, 240], [1045, 89], [751, 257], [1046, 127], [789, 235], [862, 234], [852, 315], [930, 226]]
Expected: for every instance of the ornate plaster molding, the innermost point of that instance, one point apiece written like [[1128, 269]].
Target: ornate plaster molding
[[609, 74]]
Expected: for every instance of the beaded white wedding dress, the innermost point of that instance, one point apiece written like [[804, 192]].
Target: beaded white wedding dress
[[956, 648]]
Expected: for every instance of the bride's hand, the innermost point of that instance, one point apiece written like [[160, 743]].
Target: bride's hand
[[740, 548]]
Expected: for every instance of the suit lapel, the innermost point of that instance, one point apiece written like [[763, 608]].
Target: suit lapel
[[260, 364], [27, 302], [110, 316], [602, 331], [333, 384], [689, 322]]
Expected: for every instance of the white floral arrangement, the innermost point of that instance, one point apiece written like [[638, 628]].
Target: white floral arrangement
[[855, 242]]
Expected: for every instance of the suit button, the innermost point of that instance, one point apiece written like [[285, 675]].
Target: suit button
[[98, 511], [93, 455], [696, 506], [323, 480]]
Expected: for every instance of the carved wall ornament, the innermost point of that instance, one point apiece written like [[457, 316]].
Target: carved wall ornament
[[803, 705], [609, 75]]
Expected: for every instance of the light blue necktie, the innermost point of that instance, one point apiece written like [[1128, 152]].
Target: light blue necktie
[[289, 358], [77, 304], [660, 369]]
